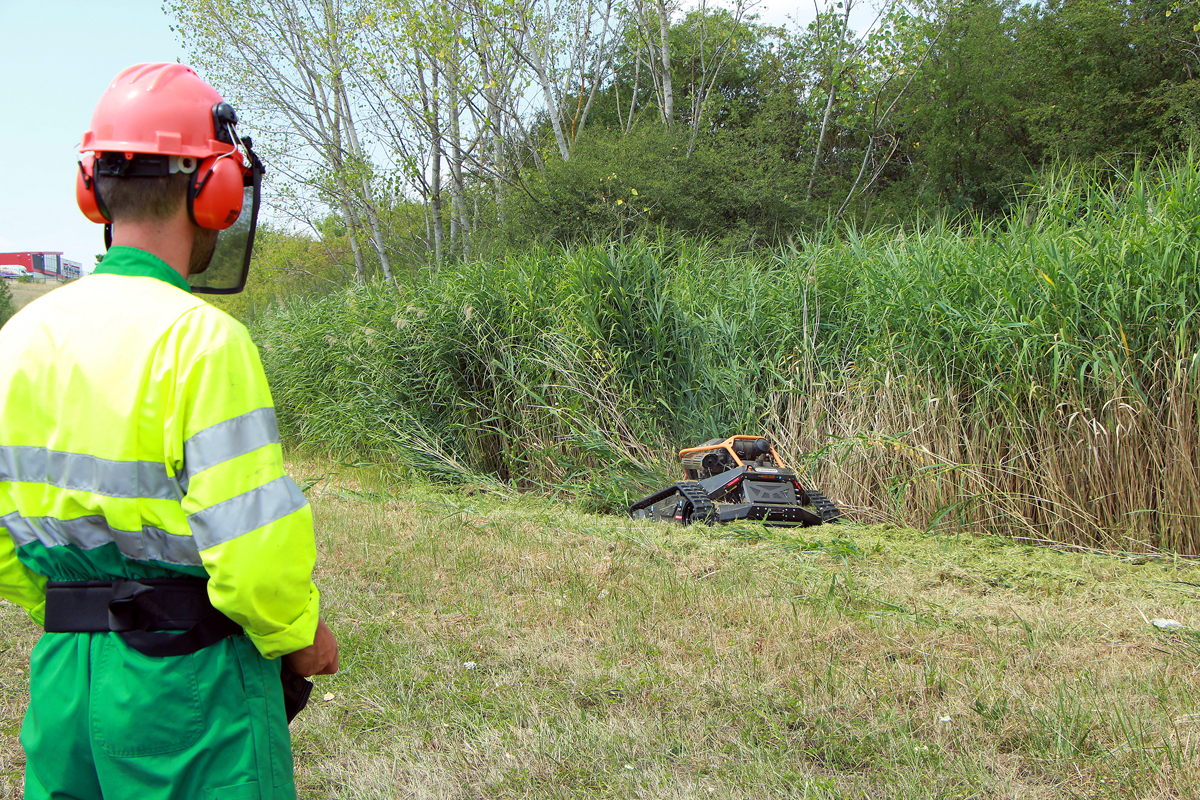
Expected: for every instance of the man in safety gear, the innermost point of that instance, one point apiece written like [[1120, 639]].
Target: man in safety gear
[[145, 518]]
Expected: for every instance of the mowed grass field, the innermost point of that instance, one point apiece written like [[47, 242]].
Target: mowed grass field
[[509, 648]]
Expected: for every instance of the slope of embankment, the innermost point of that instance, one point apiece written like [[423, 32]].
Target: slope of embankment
[[1034, 376]]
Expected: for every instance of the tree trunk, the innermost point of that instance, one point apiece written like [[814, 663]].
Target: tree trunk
[[431, 105], [668, 92], [597, 61], [459, 225], [495, 120], [835, 74], [360, 275], [552, 106], [368, 199]]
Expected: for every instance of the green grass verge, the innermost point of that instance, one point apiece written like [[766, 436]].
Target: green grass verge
[[506, 648]]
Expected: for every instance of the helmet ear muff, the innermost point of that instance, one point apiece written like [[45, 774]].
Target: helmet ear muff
[[87, 194], [215, 193]]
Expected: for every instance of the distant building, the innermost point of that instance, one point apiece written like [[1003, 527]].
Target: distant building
[[45, 265]]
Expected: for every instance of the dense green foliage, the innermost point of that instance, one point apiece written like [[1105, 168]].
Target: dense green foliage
[[1010, 87], [923, 252], [289, 265], [1003, 90], [448, 142], [959, 105], [549, 367]]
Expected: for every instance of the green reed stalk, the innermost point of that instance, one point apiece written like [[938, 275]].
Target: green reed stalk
[[1036, 376]]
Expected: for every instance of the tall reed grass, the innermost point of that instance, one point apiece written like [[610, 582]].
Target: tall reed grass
[[1037, 376]]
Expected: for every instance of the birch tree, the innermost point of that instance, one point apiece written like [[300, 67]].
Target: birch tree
[[835, 73], [566, 46], [712, 38], [499, 70], [896, 51], [405, 62], [286, 62], [652, 27]]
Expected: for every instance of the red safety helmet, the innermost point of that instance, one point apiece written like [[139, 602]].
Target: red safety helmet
[[165, 110], [160, 119]]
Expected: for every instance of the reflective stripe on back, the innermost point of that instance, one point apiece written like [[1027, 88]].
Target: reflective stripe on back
[[247, 512], [145, 480], [87, 533], [228, 440]]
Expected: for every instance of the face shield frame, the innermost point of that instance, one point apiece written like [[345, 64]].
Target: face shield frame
[[229, 267]]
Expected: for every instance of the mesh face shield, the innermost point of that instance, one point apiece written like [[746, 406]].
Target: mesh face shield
[[230, 264]]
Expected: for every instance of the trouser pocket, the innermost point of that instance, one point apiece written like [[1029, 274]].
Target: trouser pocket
[[144, 705]]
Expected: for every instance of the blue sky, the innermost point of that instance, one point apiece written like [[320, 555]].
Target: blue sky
[[57, 57]]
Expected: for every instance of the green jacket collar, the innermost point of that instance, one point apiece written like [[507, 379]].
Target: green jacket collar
[[134, 263]]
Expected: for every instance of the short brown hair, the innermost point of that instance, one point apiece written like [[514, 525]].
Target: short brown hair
[[141, 198]]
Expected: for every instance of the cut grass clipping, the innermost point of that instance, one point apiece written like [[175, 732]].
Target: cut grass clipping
[[492, 648]]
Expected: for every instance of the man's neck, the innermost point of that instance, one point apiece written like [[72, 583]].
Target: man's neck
[[170, 239]]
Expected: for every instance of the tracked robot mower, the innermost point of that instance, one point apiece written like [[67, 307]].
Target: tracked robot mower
[[738, 478]]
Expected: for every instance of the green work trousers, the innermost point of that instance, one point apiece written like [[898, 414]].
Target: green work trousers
[[108, 723]]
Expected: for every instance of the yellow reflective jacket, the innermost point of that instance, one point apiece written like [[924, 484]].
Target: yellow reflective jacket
[[138, 440]]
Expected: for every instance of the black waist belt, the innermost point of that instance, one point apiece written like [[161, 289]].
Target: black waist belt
[[155, 616]]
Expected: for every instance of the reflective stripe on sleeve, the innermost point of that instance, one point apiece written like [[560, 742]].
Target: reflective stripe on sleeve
[[229, 439], [88, 533], [246, 512], [146, 480]]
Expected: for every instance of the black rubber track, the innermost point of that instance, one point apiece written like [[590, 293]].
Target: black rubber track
[[825, 507], [702, 509]]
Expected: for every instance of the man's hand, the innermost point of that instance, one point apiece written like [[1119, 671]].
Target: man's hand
[[319, 658]]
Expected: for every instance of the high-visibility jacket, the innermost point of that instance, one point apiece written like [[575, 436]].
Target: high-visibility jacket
[[137, 440]]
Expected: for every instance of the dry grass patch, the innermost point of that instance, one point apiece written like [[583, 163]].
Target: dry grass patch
[[506, 649], [25, 293]]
